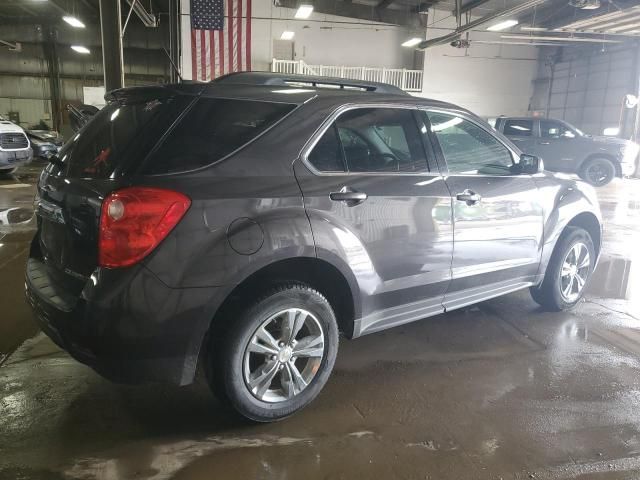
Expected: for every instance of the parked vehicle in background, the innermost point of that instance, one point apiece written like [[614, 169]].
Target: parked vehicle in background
[[564, 148], [15, 148], [241, 224], [45, 143]]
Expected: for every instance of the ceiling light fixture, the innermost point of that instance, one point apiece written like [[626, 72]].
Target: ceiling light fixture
[[287, 35], [560, 39], [73, 21], [412, 42], [80, 49], [503, 25], [534, 29], [304, 11]]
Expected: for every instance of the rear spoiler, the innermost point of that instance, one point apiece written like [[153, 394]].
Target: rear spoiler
[[294, 80]]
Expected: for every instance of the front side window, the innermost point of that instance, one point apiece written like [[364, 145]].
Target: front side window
[[468, 148], [372, 140], [518, 128], [553, 129]]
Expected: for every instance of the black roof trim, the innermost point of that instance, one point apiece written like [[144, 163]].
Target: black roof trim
[[293, 80]]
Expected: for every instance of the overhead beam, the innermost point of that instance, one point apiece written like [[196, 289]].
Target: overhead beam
[[384, 4], [467, 7], [12, 46], [148, 19], [559, 21], [477, 23], [360, 11]]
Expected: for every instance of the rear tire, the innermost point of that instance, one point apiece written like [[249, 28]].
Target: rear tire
[[266, 381], [564, 284], [598, 171]]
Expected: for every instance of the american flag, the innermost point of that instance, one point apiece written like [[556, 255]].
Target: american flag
[[220, 37]]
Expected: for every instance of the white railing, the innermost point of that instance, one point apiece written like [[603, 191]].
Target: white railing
[[407, 80]]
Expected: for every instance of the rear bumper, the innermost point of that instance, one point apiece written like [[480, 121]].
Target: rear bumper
[[127, 325], [15, 158]]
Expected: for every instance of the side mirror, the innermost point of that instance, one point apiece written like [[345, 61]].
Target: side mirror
[[530, 164]]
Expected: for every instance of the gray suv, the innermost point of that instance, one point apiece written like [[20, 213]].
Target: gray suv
[[241, 225], [564, 148]]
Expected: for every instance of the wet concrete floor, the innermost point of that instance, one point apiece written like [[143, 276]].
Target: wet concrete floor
[[501, 390]]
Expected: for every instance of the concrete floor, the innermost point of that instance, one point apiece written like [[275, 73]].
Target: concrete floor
[[499, 390]]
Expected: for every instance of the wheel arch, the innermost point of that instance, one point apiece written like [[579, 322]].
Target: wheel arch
[[319, 274], [604, 155], [589, 222]]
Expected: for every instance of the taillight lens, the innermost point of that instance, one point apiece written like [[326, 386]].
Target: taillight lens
[[134, 221]]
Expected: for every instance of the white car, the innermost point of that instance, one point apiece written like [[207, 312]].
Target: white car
[[15, 147]]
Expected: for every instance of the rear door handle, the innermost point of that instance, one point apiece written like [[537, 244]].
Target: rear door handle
[[544, 143], [350, 197], [469, 196]]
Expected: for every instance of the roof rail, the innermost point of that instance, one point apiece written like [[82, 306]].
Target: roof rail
[[295, 80]]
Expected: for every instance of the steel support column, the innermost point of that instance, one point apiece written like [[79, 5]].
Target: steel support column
[[53, 73], [174, 38], [112, 57]]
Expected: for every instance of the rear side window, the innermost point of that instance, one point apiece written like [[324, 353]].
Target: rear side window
[[371, 140], [518, 128], [212, 129], [119, 134]]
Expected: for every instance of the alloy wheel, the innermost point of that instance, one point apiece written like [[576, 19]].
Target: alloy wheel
[[283, 355], [574, 272], [597, 173]]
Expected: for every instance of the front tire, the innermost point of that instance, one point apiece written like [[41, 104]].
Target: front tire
[[598, 171], [568, 271], [277, 355]]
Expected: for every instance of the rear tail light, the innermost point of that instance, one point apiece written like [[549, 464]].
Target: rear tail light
[[134, 221]]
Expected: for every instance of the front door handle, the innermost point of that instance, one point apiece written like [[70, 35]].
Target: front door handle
[[348, 196], [544, 143], [469, 196]]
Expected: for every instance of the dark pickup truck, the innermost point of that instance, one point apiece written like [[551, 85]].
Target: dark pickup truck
[[564, 148]]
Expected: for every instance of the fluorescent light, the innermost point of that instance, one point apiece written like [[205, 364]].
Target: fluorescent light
[[80, 49], [304, 11], [73, 21], [534, 29], [287, 35], [412, 42], [611, 131], [559, 38], [502, 25]]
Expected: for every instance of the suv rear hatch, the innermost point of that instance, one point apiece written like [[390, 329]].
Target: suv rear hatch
[[92, 164]]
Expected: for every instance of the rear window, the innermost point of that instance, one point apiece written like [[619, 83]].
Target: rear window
[[118, 135], [212, 129]]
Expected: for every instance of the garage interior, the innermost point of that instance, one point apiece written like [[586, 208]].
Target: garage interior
[[498, 390]]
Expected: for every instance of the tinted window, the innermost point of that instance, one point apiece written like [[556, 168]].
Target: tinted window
[[212, 129], [326, 156], [381, 140], [468, 148], [552, 129], [117, 134], [518, 128]]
